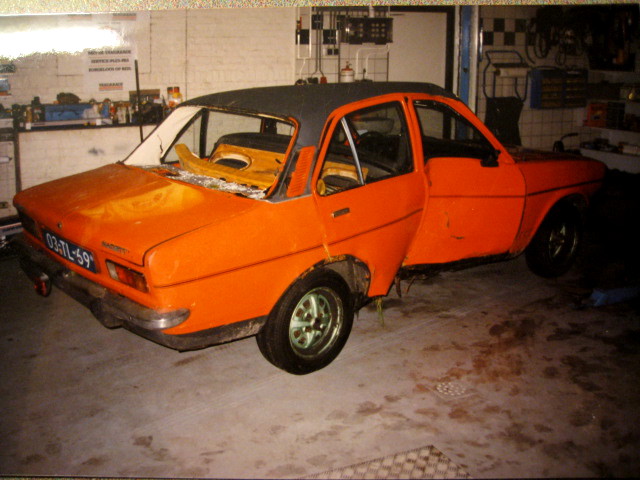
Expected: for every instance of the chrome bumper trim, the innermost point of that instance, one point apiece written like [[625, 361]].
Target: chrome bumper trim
[[110, 308]]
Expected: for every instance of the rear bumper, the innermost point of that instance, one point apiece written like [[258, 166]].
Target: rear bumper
[[111, 309], [114, 310], [9, 227]]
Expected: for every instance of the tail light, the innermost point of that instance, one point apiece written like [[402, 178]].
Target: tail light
[[127, 276], [29, 224]]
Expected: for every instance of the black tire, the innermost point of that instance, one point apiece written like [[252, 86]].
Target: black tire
[[309, 325], [553, 249]]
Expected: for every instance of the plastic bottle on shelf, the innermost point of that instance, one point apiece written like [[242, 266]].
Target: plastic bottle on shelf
[[28, 118], [122, 114], [36, 110], [170, 103], [106, 109], [347, 75], [113, 113], [177, 96]]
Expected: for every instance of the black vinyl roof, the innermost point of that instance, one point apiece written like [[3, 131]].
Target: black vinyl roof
[[308, 104]]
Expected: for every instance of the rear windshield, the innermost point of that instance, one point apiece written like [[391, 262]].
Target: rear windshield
[[239, 153]]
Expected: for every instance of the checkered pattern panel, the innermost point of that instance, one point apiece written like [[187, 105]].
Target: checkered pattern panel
[[504, 32], [425, 462]]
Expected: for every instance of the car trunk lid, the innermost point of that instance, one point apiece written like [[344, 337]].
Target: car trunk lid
[[125, 210]]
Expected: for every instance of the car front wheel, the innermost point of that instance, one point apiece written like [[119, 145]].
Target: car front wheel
[[554, 246], [310, 324]]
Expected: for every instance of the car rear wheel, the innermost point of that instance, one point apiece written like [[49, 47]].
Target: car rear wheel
[[555, 244], [310, 324]]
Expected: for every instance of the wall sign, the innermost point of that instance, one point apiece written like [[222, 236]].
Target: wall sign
[[111, 68]]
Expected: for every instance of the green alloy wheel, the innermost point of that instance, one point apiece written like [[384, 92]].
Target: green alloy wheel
[[310, 324]]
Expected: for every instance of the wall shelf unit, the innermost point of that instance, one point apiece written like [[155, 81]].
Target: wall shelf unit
[[330, 38]]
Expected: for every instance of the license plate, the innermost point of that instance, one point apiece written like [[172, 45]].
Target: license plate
[[69, 251]]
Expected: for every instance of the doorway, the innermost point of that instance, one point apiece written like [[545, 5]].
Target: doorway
[[423, 45]]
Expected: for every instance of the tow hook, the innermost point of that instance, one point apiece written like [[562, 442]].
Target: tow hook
[[42, 285], [41, 281]]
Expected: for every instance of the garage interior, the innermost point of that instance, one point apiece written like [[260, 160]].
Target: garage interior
[[480, 373]]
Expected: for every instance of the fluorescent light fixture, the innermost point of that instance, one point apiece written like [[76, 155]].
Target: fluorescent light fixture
[[72, 39]]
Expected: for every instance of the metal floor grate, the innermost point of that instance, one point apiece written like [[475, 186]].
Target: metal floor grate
[[425, 462], [452, 390]]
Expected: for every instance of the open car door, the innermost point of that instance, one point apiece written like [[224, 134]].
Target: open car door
[[476, 191], [368, 192]]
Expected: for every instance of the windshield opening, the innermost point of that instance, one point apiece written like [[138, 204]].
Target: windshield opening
[[217, 149]]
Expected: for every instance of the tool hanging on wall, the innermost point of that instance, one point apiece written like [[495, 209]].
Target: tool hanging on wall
[[317, 24], [302, 38], [503, 112], [555, 27], [138, 105]]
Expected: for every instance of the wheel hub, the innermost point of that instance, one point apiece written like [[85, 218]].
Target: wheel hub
[[561, 242], [315, 320]]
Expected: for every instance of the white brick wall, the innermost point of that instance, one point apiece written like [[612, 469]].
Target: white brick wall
[[200, 51], [47, 155], [228, 49]]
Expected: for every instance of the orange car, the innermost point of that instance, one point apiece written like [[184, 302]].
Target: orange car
[[280, 211]]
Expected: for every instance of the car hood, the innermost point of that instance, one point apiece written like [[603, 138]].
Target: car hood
[[522, 154], [126, 210], [545, 171]]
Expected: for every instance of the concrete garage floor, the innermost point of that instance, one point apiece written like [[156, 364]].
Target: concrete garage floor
[[492, 371]]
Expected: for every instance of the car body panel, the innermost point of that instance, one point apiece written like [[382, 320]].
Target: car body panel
[[472, 210], [375, 222], [238, 258], [127, 207], [226, 256], [550, 178]]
